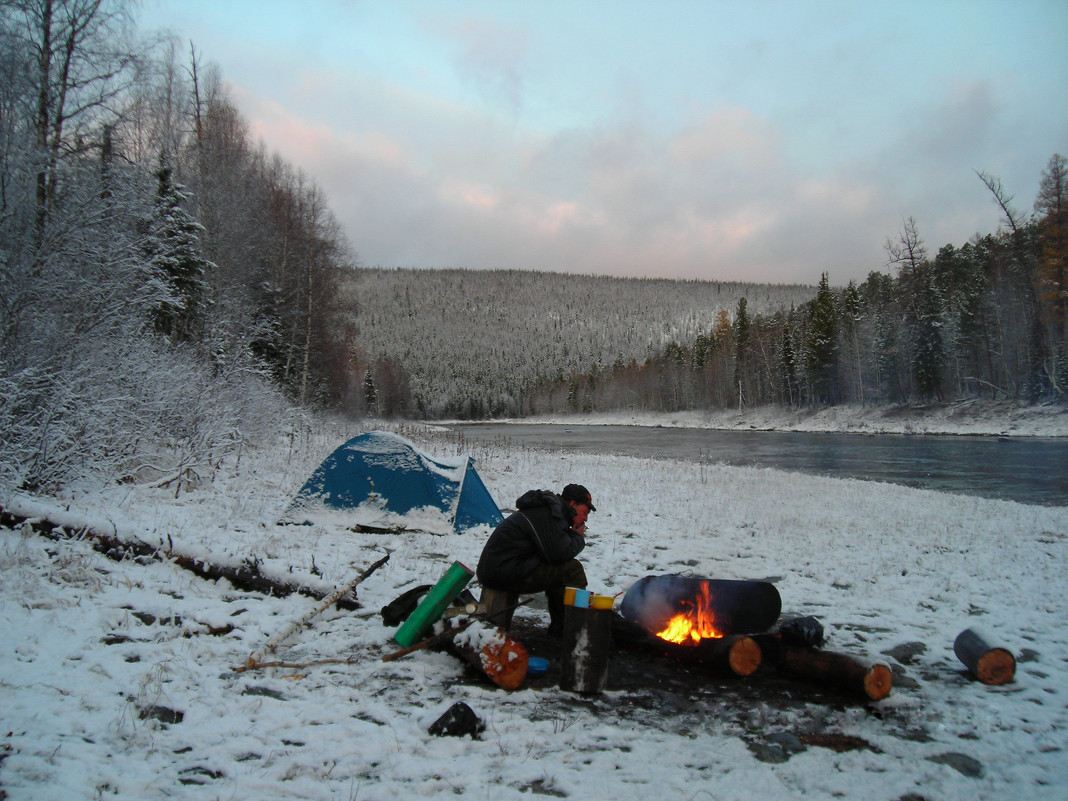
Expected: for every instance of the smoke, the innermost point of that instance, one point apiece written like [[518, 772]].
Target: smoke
[[652, 601]]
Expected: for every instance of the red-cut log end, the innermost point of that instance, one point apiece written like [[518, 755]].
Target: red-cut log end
[[505, 663], [878, 681], [996, 666], [745, 656]]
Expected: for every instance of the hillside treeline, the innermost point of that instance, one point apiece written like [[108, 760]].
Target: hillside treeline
[[167, 287], [988, 319], [487, 343]]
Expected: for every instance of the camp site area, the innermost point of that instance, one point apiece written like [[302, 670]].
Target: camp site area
[[120, 672]]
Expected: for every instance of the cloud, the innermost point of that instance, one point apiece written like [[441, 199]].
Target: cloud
[[721, 197], [490, 59]]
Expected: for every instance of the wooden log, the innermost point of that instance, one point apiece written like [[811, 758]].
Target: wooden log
[[497, 606], [989, 664], [586, 647], [833, 670], [494, 652], [739, 654]]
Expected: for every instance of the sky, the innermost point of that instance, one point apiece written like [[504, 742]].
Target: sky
[[763, 141]]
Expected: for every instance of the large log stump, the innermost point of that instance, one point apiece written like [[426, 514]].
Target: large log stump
[[584, 656], [989, 664], [497, 606]]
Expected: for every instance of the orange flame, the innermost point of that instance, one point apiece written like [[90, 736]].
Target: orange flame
[[695, 624]]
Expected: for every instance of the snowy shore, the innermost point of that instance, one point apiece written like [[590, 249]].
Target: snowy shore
[[979, 418], [113, 684]]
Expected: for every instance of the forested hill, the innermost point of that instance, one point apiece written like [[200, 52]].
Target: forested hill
[[472, 342]]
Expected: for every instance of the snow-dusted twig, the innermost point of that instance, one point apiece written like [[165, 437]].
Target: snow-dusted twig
[[255, 659]]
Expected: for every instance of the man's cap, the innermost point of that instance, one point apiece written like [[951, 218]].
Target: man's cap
[[578, 494]]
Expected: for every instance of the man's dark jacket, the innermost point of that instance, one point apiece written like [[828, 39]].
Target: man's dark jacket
[[538, 532]]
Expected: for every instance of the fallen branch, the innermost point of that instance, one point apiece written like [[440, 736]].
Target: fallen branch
[[245, 576], [295, 665], [255, 659]]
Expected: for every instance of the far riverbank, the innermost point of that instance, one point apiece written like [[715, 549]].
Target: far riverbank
[[967, 418]]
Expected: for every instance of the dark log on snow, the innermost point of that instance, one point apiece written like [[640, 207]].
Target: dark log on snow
[[245, 576], [989, 664], [832, 670]]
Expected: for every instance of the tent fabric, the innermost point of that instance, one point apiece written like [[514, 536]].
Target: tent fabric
[[385, 476]]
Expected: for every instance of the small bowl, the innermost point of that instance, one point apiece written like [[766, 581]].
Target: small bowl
[[536, 666], [602, 602]]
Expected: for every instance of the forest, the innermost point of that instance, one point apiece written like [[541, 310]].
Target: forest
[[170, 290]]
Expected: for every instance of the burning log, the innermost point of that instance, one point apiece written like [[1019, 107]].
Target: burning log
[[734, 653], [833, 670], [989, 664]]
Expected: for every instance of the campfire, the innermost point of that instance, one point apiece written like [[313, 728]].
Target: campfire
[[696, 622], [727, 625]]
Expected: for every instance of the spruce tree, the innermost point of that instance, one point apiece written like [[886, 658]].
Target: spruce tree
[[821, 352], [172, 249]]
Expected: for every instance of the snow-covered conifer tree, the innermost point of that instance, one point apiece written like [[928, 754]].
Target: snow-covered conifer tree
[[174, 254]]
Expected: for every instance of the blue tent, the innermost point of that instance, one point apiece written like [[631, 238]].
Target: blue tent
[[380, 479]]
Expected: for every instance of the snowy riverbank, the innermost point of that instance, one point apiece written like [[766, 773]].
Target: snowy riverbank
[[114, 686], [983, 418]]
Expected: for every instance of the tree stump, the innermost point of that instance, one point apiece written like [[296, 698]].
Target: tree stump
[[587, 643], [497, 606], [991, 665]]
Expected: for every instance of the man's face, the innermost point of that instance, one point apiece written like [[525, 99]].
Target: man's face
[[582, 511]]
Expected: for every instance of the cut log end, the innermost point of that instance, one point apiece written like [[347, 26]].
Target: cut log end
[[745, 656], [505, 663], [991, 665], [996, 666], [878, 681]]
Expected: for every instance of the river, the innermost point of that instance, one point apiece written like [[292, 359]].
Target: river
[[1025, 469]]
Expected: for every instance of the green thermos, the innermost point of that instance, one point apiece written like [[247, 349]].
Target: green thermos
[[433, 606]]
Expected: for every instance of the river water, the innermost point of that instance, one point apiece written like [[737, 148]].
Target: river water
[[1025, 469]]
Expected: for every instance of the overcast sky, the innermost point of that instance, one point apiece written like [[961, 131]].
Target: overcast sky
[[751, 140]]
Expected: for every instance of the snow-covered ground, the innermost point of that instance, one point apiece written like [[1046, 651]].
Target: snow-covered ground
[[98, 658]]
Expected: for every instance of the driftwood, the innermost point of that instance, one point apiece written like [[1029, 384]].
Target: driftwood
[[989, 664], [833, 670], [256, 658], [246, 576]]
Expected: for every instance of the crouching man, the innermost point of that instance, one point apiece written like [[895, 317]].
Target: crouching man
[[534, 549]]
